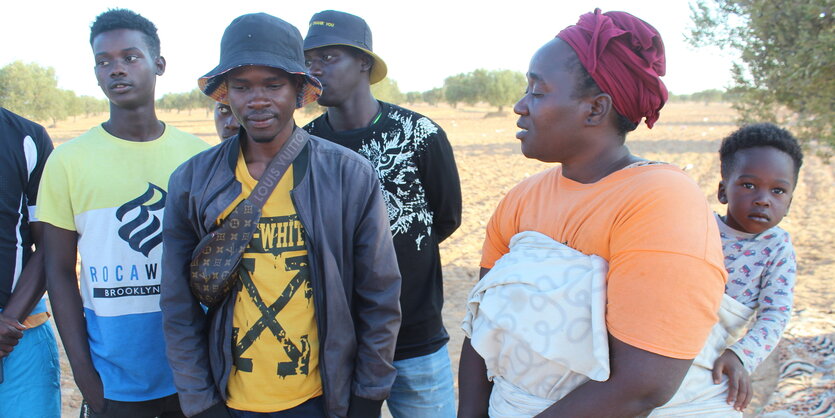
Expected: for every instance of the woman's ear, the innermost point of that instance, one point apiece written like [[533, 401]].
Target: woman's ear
[[599, 109]]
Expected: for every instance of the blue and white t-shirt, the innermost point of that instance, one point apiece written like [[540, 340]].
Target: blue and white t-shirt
[[112, 193]]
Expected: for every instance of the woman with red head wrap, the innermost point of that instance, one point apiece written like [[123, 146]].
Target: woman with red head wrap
[[662, 274], [625, 57]]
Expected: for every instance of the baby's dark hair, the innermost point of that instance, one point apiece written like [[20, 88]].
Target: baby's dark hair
[[126, 19], [759, 135], [586, 86]]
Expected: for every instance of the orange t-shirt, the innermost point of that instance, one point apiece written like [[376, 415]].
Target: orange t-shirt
[[654, 227]]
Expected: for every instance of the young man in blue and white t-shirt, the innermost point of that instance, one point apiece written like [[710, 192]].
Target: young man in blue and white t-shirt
[[103, 194]]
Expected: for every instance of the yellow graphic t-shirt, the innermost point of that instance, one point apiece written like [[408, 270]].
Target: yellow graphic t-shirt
[[275, 340]]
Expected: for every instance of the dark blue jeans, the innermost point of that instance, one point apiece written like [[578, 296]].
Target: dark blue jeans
[[167, 407], [313, 408]]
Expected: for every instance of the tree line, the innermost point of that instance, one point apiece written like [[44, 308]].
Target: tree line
[[785, 73], [188, 101], [704, 96], [497, 88], [32, 91]]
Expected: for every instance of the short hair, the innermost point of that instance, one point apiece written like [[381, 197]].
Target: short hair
[[586, 86], [759, 135], [114, 19]]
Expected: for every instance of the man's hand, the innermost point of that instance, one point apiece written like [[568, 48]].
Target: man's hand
[[89, 383], [739, 382], [11, 332]]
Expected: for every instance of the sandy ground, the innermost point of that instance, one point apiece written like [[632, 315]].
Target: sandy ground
[[490, 163]]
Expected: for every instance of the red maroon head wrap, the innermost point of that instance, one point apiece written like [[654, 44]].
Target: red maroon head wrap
[[625, 57]]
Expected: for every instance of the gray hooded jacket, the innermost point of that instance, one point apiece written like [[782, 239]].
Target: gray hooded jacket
[[353, 270]]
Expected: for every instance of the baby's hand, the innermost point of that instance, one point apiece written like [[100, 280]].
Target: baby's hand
[[739, 382]]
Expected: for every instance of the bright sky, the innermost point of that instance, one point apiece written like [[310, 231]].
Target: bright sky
[[421, 41]]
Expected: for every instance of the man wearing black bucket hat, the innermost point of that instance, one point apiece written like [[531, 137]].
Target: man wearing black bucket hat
[[310, 326], [414, 162]]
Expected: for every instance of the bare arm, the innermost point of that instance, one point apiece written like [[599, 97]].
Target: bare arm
[[473, 387], [60, 247], [639, 382], [30, 288], [32, 283]]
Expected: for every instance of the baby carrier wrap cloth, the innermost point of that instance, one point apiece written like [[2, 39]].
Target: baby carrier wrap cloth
[[538, 320], [698, 395]]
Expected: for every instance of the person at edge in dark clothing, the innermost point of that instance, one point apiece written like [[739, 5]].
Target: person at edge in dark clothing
[[414, 162], [30, 383], [309, 328], [102, 196]]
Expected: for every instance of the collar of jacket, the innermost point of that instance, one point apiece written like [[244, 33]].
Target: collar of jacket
[[230, 150]]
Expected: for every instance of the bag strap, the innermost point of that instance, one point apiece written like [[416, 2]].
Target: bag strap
[[278, 166]]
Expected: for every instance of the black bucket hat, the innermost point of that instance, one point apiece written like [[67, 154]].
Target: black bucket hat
[[331, 27], [260, 39]]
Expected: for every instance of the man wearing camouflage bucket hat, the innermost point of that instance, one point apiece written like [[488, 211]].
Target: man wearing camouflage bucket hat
[[310, 327]]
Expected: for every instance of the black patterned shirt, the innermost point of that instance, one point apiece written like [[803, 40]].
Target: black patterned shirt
[[419, 182]]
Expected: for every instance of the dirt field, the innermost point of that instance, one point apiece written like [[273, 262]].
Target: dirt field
[[490, 163]]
